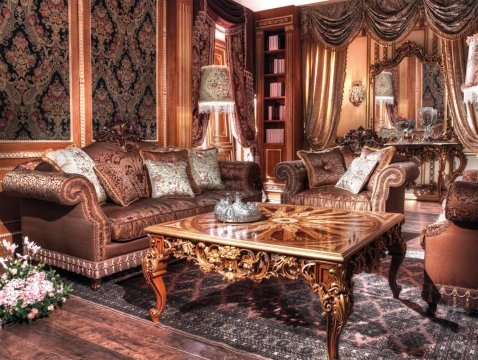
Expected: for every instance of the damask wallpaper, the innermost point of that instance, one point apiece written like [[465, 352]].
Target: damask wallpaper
[[434, 88], [34, 70], [123, 46]]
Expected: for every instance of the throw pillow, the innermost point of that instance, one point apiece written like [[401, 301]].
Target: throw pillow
[[323, 167], [116, 183], [170, 156], [168, 179], [205, 169], [383, 156], [129, 162], [73, 160], [357, 175]]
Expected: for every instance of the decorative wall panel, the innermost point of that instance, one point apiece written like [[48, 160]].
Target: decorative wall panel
[[123, 55], [34, 70]]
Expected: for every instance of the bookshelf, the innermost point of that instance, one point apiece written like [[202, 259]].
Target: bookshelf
[[279, 91]]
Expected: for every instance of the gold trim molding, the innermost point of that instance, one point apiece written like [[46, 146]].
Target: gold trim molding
[[283, 20], [20, 155]]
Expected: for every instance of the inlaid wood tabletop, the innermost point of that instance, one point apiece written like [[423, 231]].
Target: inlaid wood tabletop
[[291, 230]]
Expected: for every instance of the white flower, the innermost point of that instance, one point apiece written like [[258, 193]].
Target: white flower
[[13, 271], [30, 246], [50, 307]]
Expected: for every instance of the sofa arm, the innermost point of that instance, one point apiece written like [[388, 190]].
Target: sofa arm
[[60, 212], [294, 174], [241, 176], [394, 175], [64, 189]]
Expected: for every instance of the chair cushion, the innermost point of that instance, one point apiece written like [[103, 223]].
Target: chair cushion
[[128, 222], [323, 167], [462, 203], [329, 196]]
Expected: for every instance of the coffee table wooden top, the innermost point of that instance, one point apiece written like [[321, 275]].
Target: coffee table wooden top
[[313, 233]]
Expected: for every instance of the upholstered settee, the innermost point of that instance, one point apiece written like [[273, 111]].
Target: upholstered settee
[[61, 213], [450, 244], [386, 194]]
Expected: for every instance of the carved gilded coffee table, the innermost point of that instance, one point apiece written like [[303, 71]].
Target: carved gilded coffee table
[[324, 246]]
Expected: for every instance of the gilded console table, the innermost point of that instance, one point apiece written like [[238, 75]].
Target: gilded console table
[[324, 246], [443, 152]]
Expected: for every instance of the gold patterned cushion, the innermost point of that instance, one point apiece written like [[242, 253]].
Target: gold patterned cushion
[[73, 160], [171, 156], [323, 167], [168, 178], [117, 184], [357, 175], [205, 169], [383, 156]]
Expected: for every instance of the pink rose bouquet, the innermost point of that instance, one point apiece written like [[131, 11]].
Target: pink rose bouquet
[[27, 290]]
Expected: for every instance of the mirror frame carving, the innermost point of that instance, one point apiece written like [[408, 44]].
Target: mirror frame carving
[[406, 49]]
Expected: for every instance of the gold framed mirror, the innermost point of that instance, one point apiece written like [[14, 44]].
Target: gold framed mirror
[[402, 88]]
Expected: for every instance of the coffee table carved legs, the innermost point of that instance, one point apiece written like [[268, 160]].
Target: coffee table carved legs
[[154, 267], [336, 298], [397, 248]]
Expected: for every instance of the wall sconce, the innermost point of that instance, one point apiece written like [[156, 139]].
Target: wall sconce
[[470, 87], [215, 90], [357, 93]]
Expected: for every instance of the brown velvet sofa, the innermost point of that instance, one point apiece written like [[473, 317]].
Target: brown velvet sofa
[[60, 212], [387, 195], [451, 249]]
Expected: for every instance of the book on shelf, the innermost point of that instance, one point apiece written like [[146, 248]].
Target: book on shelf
[[275, 112], [275, 89], [275, 42], [275, 136], [278, 66]]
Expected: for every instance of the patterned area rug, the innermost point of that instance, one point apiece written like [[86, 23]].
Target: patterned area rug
[[281, 319]]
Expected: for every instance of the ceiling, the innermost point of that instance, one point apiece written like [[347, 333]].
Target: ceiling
[[258, 5]]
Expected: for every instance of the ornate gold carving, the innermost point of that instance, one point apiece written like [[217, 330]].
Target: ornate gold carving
[[356, 139], [289, 19], [406, 49]]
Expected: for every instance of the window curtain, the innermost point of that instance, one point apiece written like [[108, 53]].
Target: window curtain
[[239, 23], [454, 59], [324, 78], [388, 22], [204, 31]]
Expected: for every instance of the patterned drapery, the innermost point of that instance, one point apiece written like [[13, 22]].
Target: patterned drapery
[[34, 70], [242, 88], [202, 54], [324, 78], [336, 25], [123, 59], [454, 60]]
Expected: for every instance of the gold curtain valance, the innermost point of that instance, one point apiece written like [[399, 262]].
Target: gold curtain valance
[[336, 25]]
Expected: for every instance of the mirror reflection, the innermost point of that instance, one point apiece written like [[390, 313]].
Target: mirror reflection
[[407, 95]]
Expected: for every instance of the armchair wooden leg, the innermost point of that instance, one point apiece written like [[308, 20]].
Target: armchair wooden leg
[[432, 308], [95, 284]]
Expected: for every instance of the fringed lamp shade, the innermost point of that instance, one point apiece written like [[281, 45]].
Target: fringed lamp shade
[[215, 89], [384, 87], [470, 87]]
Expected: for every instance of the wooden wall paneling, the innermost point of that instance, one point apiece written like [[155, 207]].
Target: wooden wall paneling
[[179, 65], [161, 71]]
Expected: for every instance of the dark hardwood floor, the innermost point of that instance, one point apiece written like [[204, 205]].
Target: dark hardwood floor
[[84, 330]]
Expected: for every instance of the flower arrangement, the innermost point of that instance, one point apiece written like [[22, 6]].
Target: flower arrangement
[[27, 290]]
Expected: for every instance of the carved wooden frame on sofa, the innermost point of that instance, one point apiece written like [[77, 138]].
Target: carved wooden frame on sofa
[[61, 213]]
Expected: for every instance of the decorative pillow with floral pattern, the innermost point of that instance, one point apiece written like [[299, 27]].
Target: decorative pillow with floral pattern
[[168, 179], [117, 184], [205, 169], [170, 156], [383, 156], [323, 167], [357, 175], [73, 160]]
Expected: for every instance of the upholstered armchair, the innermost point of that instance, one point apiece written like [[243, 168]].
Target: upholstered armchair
[[451, 249]]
